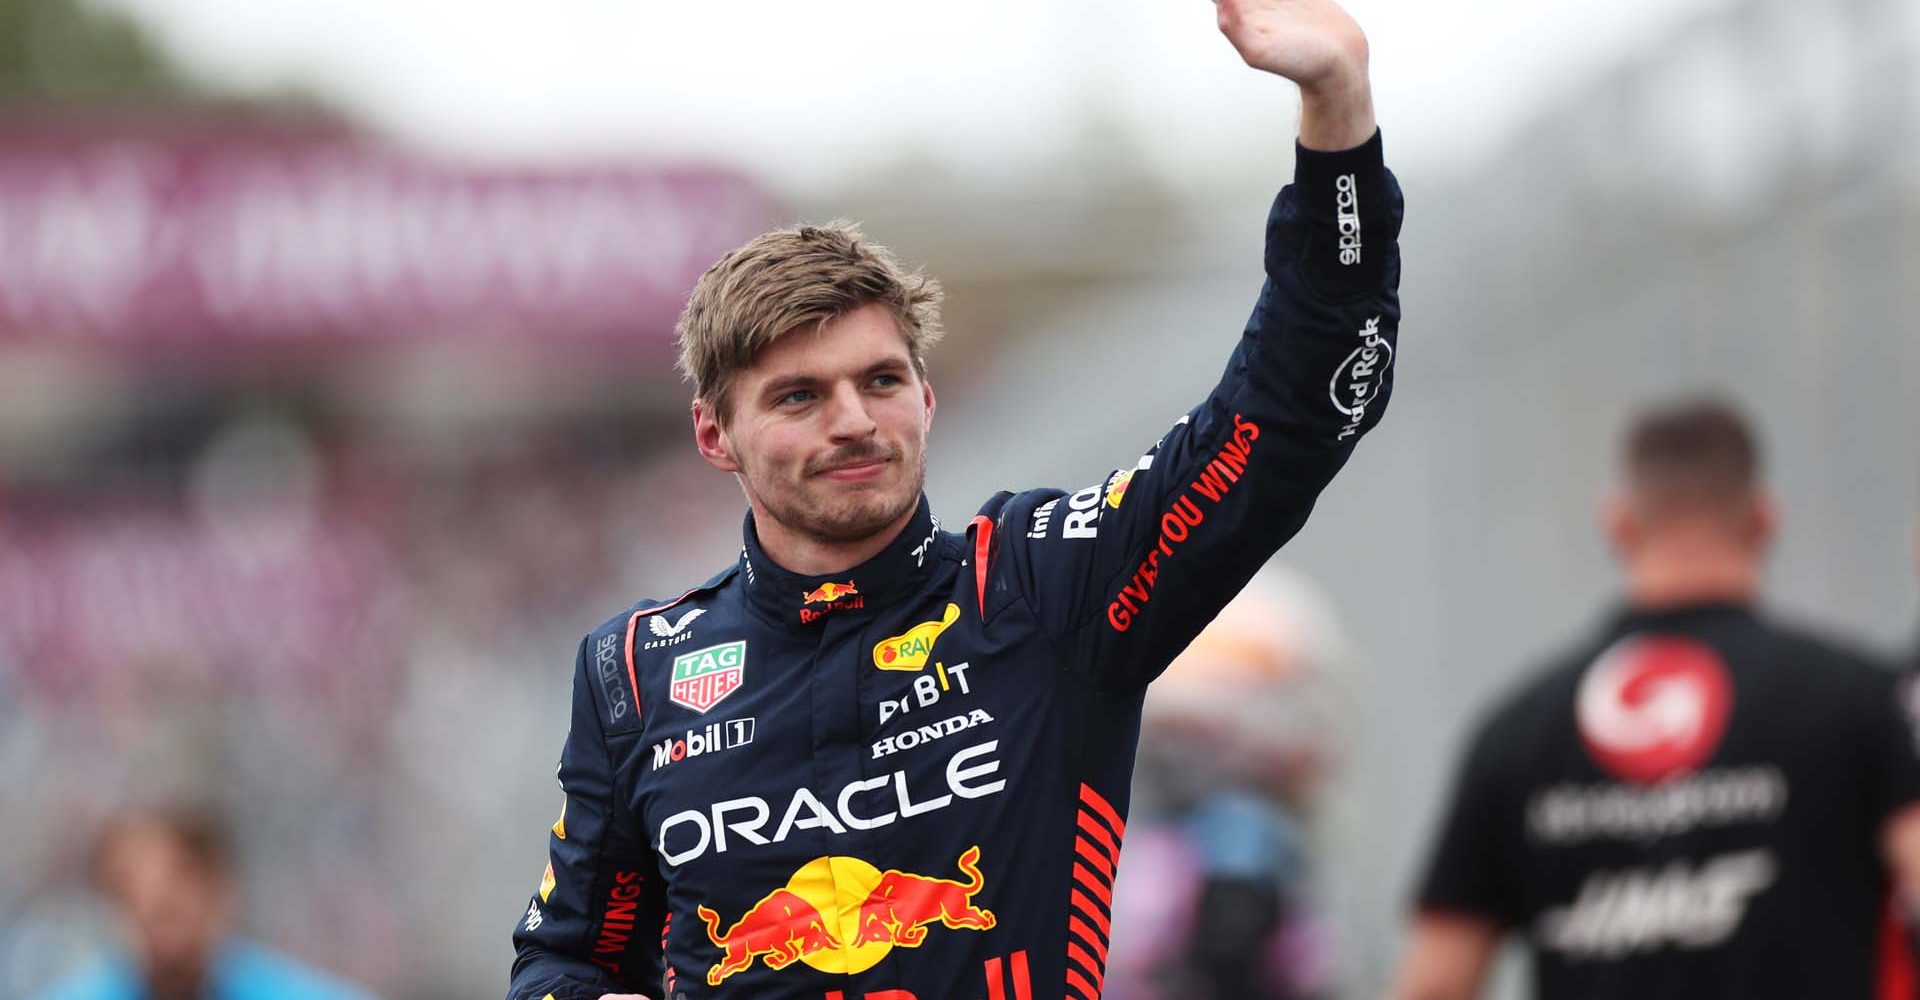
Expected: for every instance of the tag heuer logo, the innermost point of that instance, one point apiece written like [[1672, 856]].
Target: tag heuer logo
[[705, 676]]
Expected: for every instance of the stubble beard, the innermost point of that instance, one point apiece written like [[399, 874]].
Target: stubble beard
[[849, 516]]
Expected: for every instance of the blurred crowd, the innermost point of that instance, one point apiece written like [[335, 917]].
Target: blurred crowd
[[361, 670]]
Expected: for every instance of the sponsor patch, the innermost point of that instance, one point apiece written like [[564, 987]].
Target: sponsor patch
[[717, 736], [928, 690], [1707, 800], [743, 823], [704, 677], [1184, 517], [613, 946], [911, 649], [1653, 707], [843, 915], [926, 544], [829, 592], [606, 665], [927, 734], [670, 633], [1082, 519], [1358, 380], [835, 597], [1346, 210], [1641, 910]]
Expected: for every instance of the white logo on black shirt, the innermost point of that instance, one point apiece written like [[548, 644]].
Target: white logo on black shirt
[[1621, 913]]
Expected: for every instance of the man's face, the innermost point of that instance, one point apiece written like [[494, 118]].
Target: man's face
[[175, 911], [829, 429]]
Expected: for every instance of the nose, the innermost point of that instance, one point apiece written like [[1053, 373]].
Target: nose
[[848, 419]]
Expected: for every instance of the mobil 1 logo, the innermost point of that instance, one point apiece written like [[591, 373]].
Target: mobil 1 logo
[[717, 736]]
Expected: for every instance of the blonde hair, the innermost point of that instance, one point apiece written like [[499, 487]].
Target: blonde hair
[[792, 279]]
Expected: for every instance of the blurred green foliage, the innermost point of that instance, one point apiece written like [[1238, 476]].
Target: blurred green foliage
[[59, 51]]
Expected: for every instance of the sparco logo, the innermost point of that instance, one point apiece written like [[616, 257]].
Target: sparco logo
[[606, 662], [1359, 379], [1346, 202], [1642, 909], [716, 737]]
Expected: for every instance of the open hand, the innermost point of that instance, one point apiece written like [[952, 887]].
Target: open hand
[[1318, 46], [1314, 43]]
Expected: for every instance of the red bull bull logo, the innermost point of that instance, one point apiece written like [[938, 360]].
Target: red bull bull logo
[[835, 597], [842, 915], [783, 928], [900, 908], [829, 592], [1117, 488]]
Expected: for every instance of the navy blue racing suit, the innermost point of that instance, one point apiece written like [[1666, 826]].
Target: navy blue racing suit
[[909, 781]]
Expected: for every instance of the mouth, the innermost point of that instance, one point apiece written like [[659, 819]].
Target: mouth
[[856, 472]]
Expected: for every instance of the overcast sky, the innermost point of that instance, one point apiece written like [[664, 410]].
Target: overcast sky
[[799, 92]]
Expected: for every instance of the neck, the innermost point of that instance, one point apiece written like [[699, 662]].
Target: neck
[[809, 555], [176, 983], [1672, 576]]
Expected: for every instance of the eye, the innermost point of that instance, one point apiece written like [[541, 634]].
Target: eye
[[797, 397], [887, 381]]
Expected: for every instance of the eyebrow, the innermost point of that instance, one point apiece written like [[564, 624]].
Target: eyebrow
[[788, 383]]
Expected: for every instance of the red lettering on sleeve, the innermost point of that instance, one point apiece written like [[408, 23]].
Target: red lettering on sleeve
[[1217, 479]]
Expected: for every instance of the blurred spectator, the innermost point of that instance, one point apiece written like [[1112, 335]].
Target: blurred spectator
[[1217, 900], [304, 624], [171, 876], [1696, 802]]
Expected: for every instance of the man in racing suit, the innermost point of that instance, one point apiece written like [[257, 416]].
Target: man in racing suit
[[877, 760]]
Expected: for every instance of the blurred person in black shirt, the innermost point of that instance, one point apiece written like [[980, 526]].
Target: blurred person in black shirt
[[170, 876], [1697, 802]]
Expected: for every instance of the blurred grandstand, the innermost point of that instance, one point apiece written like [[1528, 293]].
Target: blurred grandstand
[[313, 455], [317, 453]]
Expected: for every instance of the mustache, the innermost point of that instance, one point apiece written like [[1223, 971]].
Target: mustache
[[852, 455]]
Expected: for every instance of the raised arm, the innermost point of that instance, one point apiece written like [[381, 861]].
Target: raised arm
[[1123, 573]]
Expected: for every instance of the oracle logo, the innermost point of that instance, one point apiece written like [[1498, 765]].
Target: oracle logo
[[1653, 707]]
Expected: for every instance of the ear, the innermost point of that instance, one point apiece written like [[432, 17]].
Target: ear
[[927, 388], [1766, 520], [1619, 525], [711, 439]]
